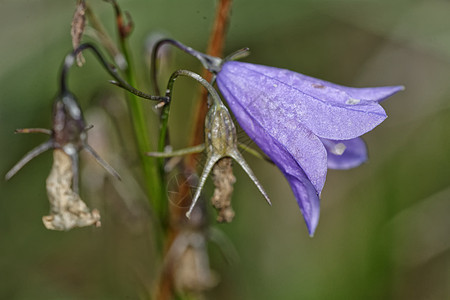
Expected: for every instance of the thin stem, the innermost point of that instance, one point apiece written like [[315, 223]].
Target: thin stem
[[165, 114], [209, 88], [152, 172], [209, 62], [111, 69], [185, 151]]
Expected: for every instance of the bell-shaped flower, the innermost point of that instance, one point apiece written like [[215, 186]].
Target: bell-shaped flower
[[302, 123]]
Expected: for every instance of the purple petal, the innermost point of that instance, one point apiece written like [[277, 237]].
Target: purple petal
[[343, 155], [370, 94], [377, 94], [297, 152], [328, 110]]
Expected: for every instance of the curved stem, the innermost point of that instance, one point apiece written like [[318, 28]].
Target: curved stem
[[210, 63], [165, 113], [211, 91], [111, 69]]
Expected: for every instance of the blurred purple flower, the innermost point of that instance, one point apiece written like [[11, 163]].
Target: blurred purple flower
[[302, 123]]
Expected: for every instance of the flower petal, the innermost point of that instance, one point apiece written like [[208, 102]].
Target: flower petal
[[297, 152], [314, 85], [377, 94], [347, 154], [328, 110]]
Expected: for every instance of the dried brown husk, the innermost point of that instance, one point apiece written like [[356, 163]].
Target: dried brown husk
[[192, 272], [67, 210], [77, 28], [223, 182]]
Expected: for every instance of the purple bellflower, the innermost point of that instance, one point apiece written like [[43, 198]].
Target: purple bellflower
[[305, 125]]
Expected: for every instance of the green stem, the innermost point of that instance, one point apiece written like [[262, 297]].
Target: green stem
[[164, 122], [164, 118], [181, 152], [152, 176]]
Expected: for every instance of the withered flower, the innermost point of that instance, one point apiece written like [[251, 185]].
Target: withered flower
[[68, 137]]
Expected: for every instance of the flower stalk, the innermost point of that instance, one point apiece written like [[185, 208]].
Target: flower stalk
[[152, 174]]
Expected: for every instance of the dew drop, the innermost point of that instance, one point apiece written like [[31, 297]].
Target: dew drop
[[338, 149], [352, 101], [69, 60]]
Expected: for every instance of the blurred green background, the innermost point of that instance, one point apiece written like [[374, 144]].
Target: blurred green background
[[384, 231]]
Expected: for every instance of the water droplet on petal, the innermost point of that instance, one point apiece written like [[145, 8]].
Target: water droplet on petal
[[352, 101], [338, 149]]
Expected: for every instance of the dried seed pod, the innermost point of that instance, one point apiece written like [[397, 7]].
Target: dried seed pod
[[77, 28], [188, 262], [193, 272], [68, 137], [70, 133], [223, 183], [67, 210]]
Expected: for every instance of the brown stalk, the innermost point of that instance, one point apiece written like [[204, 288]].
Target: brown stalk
[[215, 48]]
